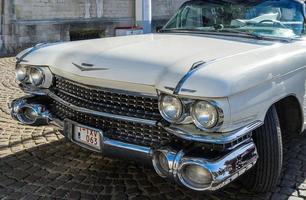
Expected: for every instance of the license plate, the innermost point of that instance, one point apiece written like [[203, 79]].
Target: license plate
[[88, 136]]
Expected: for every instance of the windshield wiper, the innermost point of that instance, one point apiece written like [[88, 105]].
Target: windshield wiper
[[212, 32], [177, 30], [260, 37], [227, 30], [232, 30]]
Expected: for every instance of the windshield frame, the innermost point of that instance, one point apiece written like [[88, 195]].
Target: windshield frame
[[298, 37]]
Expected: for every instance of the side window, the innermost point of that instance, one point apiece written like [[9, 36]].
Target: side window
[[191, 17], [173, 21], [183, 17]]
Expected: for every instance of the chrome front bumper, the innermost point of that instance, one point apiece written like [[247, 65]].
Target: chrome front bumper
[[221, 169]]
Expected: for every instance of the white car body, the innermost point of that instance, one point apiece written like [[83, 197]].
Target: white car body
[[203, 105], [245, 75]]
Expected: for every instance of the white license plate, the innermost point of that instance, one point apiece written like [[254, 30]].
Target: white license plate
[[87, 136]]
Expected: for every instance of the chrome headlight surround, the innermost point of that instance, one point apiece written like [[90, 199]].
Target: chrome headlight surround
[[188, 112], [215, 112], [21, 73], [34, 76], [176, 106]]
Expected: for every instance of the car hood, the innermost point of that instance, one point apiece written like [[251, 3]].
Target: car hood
[[141, 63]]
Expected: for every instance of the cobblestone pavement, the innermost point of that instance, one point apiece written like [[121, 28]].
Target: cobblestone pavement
[[38, 163]]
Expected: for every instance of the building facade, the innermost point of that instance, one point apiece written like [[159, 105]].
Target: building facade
[[25, 23]]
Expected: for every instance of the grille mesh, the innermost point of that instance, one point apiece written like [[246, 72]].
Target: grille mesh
[[103, 100], [131, 132], [143, 107]]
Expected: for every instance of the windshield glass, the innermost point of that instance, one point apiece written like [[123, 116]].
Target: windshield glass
[[270, 18]]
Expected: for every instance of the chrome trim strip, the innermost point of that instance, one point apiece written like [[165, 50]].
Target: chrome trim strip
[[102, 114], [88, 67], [180, 84], [215, 138], [128, 146], [35, 48]]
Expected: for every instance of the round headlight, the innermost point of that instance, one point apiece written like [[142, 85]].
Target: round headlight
[[21, 73], [36, 76], [205, 115], [171, 108]]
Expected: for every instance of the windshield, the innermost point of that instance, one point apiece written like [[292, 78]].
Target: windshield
[[270, 18]]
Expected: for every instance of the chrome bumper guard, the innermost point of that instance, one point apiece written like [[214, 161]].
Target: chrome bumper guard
[[178, 165], [221, 170]]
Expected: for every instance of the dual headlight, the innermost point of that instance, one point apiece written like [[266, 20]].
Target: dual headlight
[[34, 76], [206, 115]]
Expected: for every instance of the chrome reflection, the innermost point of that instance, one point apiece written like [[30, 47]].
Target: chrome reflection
[[223, 170], [163, 161], [30, 113], [215, 173], [190, 166]]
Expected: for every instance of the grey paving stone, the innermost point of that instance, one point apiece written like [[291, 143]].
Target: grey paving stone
[[302, 193]]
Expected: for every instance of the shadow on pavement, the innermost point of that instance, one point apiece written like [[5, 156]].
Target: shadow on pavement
[[63, 170]]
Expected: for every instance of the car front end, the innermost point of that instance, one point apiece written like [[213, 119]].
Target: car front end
[[177, 135], [167, 98]]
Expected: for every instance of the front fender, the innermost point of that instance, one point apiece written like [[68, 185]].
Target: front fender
[[253, 104]]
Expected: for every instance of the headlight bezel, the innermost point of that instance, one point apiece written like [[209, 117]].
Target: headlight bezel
[[162, 110], [41, 77], [46, 76], [17, 77], [187, 117], [220, 115]]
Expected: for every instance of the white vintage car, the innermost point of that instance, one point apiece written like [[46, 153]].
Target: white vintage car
[[205, 100]]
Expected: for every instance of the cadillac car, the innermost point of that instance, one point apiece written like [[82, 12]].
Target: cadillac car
[[205, 100]]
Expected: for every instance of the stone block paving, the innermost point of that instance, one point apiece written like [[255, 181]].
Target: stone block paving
[[38, 163]]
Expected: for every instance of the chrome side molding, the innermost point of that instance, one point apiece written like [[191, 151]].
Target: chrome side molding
[[215, 138]]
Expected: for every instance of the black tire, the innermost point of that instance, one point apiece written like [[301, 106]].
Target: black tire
[[265, 174]]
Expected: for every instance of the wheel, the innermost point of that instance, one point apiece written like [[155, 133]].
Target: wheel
[[265, 174]]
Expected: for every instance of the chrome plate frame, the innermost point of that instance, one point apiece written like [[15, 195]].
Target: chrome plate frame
[[69, 132]]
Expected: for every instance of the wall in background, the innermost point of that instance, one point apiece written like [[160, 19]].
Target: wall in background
[[26, 23]]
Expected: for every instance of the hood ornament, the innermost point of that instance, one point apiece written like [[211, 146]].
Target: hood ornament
[[88, 67]]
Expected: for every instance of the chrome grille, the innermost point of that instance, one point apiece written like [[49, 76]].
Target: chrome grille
[[108, 101], [131, 132]]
